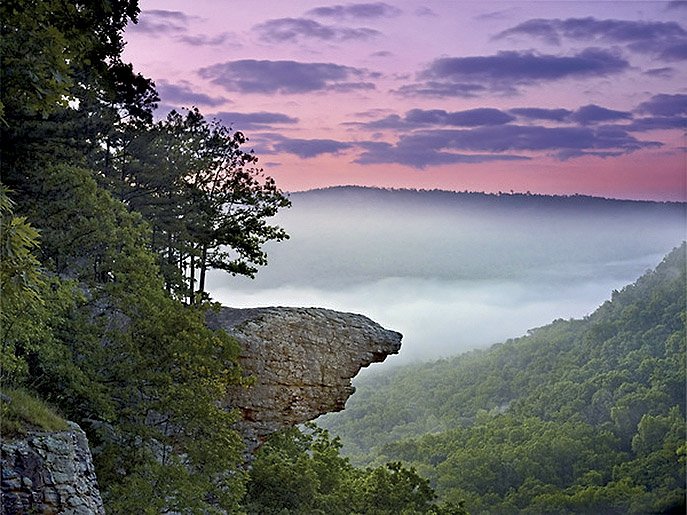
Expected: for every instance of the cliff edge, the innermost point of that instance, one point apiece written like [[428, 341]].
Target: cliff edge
[[302, 359]]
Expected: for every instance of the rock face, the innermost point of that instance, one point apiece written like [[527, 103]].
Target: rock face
[[49, 472], [302, 359]]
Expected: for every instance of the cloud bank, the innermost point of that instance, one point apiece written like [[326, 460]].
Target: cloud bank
[[294, 29], [358, 10], [185, 94], [288, 77], [506, 71], [258, 120], [665, 40]]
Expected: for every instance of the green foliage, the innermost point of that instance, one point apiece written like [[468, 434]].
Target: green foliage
[[303, 472], [170, 431], [580, 416], [137, 369], [205, 199], [35, 70], [22, 411], [20, 284]]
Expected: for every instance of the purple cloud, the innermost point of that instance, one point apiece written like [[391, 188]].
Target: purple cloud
[[653, 123], [468, 118], [441, 89], [537, 113], [564, 155], [206, 40], [418, 157], [424, 11], [489, 136], [293, 29], [505, 138], [392, 121], [666, 40], [363, 10], [157, 22], [537, 28], [663, 73], [421, 117], [664, 105], [676, 4], [307, 148], [592, 113], [584, 29], [505, 71], [160, 22], [254, 121], [424, 148], [252, 76], [526, 67], [674, 52], [184, 94], [343, 87]]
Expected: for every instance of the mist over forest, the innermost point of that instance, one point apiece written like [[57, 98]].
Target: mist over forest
[[456, 271]]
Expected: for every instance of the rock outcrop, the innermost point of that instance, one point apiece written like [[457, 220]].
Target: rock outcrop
[[49, 472], [302, 359]]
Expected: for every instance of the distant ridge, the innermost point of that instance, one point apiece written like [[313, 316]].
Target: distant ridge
[[466, 194], [369, 198]]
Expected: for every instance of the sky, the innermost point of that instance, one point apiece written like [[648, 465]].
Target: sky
[[549, 97]]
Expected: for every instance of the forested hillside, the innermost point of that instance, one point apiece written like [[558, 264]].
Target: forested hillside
[[584, 416]]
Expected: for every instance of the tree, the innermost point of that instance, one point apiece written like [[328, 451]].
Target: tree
[[64, 86], [303, 472], [20, 286], [206, 200]]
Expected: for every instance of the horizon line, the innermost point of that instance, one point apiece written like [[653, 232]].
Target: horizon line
[[509, 193]]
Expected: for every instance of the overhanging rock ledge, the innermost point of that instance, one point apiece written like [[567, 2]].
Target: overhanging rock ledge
[[303, 360]]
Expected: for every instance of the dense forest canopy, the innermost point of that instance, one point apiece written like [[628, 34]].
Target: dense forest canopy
[[110, 221], [579, 416]]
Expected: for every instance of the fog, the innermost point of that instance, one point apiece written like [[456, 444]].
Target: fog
[[453, 272]]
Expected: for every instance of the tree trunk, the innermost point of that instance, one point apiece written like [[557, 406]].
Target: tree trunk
[[192, 277], [203, 268], [170, 261]]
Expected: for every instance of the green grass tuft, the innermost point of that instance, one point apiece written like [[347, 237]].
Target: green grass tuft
[[27, 412]]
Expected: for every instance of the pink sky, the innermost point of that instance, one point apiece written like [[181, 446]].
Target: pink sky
[[550, 97]]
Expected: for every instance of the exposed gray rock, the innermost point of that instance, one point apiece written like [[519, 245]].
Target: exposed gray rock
[[302, 359], [49, 472]]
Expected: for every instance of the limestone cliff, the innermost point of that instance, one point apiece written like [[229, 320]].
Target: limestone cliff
[[302, 360], [49, 472]]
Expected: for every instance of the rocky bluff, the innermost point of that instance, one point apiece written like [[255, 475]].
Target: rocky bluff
[[302, 361]]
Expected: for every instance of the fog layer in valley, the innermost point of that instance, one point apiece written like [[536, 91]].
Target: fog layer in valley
[[455, 271]]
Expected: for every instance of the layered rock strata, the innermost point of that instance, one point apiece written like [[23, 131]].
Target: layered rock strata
[[302, 360], [49, 473]]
